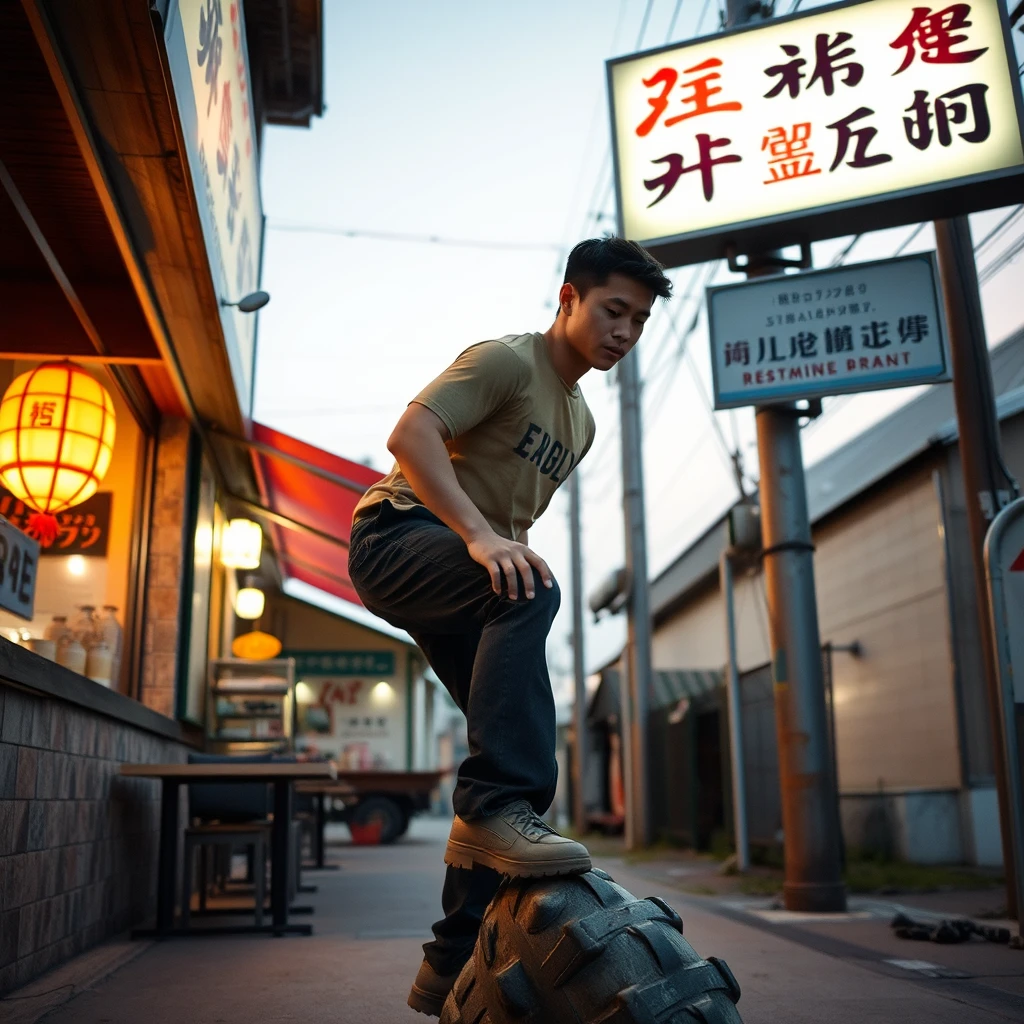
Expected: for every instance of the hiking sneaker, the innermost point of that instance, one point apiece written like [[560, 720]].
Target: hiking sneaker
[[515, 842], [430, 990]]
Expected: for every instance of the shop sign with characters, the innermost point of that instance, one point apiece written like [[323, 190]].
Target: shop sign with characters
[[206, 45], [82, 530], [860, 328], [849, 118]]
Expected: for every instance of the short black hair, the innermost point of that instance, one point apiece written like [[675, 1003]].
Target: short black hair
[[593, 261]]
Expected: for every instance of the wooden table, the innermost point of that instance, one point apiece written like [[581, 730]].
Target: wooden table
[[282, 776]]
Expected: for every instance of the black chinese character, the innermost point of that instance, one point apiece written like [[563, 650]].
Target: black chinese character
[[913, 329], [876, 335], [211, 46], [234, 194], [677, 168], [803, 345], [949, 110], [838, 339], [826, 66], [769, 348], [863, 136], [737, 352]]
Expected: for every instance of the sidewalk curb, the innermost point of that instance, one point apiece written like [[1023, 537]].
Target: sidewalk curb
[[61, 984]]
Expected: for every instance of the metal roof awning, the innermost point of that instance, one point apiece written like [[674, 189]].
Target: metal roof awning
[[668, 687], [308, 497]]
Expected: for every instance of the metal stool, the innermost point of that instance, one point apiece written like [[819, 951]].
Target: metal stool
[[254, 834]]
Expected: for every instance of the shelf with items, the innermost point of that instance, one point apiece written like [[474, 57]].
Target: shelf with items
[[251, 703]]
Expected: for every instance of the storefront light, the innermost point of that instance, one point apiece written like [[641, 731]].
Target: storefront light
[[241, 545], [304, 693], [76, 565], [57, 428], [382, 695], [249, 603]]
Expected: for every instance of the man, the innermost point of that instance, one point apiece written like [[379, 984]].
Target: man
[[440, 548]]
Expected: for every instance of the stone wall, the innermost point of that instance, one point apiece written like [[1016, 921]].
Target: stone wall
[[78, 843], [165, 568]]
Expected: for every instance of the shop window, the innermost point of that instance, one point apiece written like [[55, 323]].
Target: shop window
[[84, 589], [204, 590]]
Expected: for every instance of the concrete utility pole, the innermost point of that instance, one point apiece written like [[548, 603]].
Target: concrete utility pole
[[637, 655], [813, 871], [985, 483], [579, 761]]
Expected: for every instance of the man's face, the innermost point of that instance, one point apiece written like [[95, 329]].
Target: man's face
[[607, 322]]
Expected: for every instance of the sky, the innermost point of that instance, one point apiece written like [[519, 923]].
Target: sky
[[486, 123]]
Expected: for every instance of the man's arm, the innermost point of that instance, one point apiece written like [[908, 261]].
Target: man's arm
[[418, 444]]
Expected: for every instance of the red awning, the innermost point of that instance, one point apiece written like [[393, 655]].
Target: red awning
[[313, 489]]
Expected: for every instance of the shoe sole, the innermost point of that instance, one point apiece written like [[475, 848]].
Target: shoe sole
[[457, 855], [426, 1002]]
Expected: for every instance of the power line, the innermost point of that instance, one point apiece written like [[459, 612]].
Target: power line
[[403, 236]]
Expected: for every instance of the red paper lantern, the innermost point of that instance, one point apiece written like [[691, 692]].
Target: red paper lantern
[[57, 427]]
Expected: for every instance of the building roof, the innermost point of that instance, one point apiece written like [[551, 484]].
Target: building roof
[[926, 421], [667, 688]]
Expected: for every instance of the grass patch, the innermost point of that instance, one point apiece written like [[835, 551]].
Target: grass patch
[[759, 885], [896, 876]]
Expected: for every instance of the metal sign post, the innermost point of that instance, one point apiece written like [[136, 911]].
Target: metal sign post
[[1004, 568]]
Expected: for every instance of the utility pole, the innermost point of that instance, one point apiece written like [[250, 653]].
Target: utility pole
[[986, 484], [813, 871], [637, 655], [739, 781], [579, 761]]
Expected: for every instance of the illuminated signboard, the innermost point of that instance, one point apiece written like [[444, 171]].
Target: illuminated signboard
[[846, 119], [858, 328], [206, 47]]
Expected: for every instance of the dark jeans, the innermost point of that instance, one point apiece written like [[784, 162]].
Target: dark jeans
[[414, 572]]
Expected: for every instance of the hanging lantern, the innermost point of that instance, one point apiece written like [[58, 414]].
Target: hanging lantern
[[56, 441], [249, 603], [256, 646], [241, 545]]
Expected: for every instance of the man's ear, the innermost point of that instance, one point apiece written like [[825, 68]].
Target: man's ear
[[568, 297]]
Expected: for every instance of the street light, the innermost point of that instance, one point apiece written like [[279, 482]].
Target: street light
[[249, 303]]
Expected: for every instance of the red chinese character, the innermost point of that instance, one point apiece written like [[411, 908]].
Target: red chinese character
[[933, 32], [699, 96], [224, 142], [791, 154], [41, 414]]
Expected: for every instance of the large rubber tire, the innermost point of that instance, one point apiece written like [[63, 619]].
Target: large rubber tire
[[382, 809], [583, 950]]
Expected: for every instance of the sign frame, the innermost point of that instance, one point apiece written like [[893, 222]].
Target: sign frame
[[970, 194], [27, 548], [854, 386], [1009, 652]]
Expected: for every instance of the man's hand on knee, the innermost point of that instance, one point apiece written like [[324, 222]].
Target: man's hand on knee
[[502, 557]]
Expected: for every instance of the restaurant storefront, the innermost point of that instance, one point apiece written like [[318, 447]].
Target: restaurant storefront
[[130, 137]]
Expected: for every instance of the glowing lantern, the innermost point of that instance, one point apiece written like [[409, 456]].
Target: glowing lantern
[[249, 602], [56, 441], [256, 646], [241, 545]]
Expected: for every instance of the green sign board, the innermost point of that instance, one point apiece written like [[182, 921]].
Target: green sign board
[[342, 663]]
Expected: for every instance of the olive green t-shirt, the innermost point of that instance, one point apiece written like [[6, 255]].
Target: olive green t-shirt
[[517, 431]]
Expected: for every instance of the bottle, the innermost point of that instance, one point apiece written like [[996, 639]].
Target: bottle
[[83, 625], [71, 654], [98, 663], [113, 636], [57, 629]]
